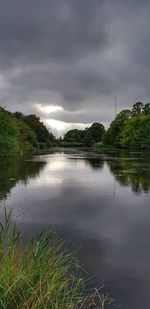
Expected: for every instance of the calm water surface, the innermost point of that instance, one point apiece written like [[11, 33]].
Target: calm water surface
[[100, 203]]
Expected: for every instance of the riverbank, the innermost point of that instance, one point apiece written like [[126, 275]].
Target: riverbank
[[99, 148], [41, 274]]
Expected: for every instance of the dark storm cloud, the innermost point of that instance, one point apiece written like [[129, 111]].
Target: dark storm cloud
[[62, 31], [77, 54]]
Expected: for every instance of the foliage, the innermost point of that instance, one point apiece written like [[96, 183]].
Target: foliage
[[130, 129], [8, 145], [85, 137], [74, 135], [44, 137], [137, 109], [98, 146], [27, 137], [21, 134], [40, 274], [113, 134], [8, 134], [137, 132], [94, 134], [146, 109]]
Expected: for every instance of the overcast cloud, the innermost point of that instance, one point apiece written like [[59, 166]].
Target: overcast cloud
[[66, 60]]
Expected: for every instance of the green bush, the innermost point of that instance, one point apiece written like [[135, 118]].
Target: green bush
[[8, 145]]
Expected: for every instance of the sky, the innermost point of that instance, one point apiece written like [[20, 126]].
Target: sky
[[66, 60]]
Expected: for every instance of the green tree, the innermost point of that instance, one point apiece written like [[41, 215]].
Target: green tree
[[136, 133], [27, 137], [8, 134], [74, 135], [97, 131], [44, 137], [87, 137], [114, 134]]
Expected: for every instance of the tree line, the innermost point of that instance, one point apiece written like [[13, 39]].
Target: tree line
[[83, 138], [21, 134], [130, 129]]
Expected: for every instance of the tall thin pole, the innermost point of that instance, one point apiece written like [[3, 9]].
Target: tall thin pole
[[114, 188], [114, 177], [115, 106]]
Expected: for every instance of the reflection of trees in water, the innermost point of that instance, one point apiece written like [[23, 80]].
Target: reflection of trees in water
[[13, 170], [131, 170], [95, 163]]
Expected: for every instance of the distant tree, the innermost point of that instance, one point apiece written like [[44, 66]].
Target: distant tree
[[88, 137], [146, 109], [74, 135], [44, 137], [97, 131], [18, 115], [88, 140], [137, 109]]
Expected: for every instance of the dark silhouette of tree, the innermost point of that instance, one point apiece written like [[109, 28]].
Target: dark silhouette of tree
[[137, 109], [146, 109], [86, 137], [74, 135], [44, 137], [97, 131]]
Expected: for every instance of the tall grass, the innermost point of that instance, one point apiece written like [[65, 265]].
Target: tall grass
[[40, 274]]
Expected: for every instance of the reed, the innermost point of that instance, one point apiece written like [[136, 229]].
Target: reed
[[41, 274]]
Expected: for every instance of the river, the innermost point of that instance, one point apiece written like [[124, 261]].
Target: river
[[97, 202]]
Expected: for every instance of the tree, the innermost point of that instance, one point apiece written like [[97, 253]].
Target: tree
[[97, 131], [88, 137], [44, 137], [113, 134], [27, 137], [146, 109], [8, 134], [74, 135], [137, 109], [136, 133], [88, 140], [18, 115]]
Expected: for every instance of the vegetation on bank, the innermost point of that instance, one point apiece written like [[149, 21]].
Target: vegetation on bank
[[21, 134], [130, 128], [83, 138], [41, 274]]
